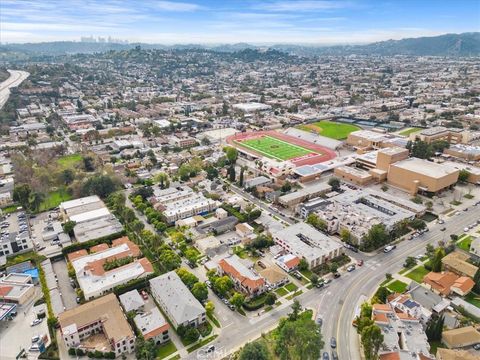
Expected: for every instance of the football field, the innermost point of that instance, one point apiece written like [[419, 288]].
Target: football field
[[275, 148]]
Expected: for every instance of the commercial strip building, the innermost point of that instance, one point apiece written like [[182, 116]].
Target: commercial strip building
[[90, 269], [304, 241], [308, 192], [181, 203], [358, 210], [177, 302], [92, 218], [16, 288], [244, 278], [100, 316]]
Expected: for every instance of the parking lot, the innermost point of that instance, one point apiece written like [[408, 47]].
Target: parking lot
[[44, 230], [15, 226], [17, 334]]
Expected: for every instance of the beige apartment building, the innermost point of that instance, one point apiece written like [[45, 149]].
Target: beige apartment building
[[439, 133]]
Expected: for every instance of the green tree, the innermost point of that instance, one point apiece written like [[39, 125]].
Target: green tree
[[463, 176], [89, 163], [36, 200], [68, 227], [256, 350], [476, 279], [377, 236], [67, 176], [382, 294], [145, 349], [410, 262], [223, 285], [21, 194], [314, 279], [231, 153], [200, 291], [434, 328], [420, 149], [237, 300], [187, 277], [191, 255], [346, 236], [334, 183], [371, 339], [299, 339], [209, 308], [303, 264], [270, 298], [316, 222], [101, 185], [286, 187], [231, 173], [418, 224], [296, 308], [169, 259], [191, 334], [437, 259], [241, 179]]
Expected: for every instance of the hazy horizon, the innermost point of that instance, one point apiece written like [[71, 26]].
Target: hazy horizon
[[211, 22]]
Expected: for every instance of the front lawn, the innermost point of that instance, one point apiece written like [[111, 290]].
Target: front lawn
[[291, 287], [418, 274], [464, 244], [296, 293], [165, 350], [281, 292], [201, 343], [307, 273], [397, 286]]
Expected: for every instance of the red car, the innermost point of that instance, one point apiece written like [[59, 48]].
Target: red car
[[144, 295], [360, 262]]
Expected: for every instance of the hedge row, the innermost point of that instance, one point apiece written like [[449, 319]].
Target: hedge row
[[88, 244], [133, 284]]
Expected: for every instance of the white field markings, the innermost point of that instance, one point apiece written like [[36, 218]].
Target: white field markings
[[268, 154]]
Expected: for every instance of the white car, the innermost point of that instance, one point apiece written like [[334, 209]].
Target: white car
[[466, 229], [389, 248], [36, 322], [419, 257]]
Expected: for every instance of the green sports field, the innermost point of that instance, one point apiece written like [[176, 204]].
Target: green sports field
[[274, 148], [333, 130]]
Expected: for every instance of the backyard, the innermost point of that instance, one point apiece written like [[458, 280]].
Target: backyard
[[397, 286], [464, 244], [54, 198]]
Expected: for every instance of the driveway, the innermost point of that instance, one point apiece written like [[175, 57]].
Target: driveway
[[69, 295]]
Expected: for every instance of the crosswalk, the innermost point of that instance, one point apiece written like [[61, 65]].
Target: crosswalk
[[372, 264]]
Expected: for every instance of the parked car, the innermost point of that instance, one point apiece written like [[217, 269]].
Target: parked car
[[389, 248], [210, 349], [325, 356], [443, 229], [36, 322], [351, 268], [333, 343], [336, 275], [208, 283], [35, 339], [360, 262], [261, 264], [476, 346], [319, 321], [144, 295], [334, 355]]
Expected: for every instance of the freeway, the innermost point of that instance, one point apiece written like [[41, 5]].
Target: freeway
[[15, 79]]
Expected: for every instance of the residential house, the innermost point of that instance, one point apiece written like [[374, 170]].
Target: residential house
[[245, 279]]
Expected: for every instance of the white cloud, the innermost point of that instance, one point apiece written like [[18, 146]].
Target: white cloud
[[303, 5], [177, 6]]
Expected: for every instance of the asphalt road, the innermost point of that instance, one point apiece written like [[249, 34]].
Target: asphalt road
[[15, 79], [364, 281], [337, 302]]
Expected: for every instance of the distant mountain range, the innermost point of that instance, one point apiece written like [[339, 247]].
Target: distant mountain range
[[465, 44]]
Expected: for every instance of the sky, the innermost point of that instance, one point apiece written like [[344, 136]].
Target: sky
[[322, 22]]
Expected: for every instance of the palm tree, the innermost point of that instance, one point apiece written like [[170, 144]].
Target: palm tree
[[36, 201]]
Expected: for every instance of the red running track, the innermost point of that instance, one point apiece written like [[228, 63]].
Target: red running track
[[324, 154]]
